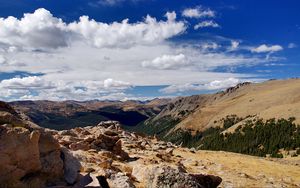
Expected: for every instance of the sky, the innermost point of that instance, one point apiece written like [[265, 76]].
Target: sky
[[143, 49]]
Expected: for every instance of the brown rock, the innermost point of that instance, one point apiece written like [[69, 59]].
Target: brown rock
[[71, 166], [106, 154], [67, 140], [120, 180], [19, 154], [47, 143], [106, 164], [52, 165], [105, 142], [82, 145], [166, 176]]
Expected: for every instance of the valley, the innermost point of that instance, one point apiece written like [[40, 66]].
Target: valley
[[70, 114]]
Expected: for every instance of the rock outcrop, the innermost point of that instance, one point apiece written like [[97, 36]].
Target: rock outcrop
[[112, 157], [29, 158], [29, 155]]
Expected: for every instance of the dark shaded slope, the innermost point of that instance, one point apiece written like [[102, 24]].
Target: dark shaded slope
[[81, 119], [61, 115]]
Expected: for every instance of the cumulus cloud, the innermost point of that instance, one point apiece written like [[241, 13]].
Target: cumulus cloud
[[222, 84], [37, 30], [198, 12], [265, 48], [124, 34], [213, 85], [42, 30], [167, 62], [109, 83], [208, 23]]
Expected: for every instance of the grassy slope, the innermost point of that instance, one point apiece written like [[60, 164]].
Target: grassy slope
[[271, 99]]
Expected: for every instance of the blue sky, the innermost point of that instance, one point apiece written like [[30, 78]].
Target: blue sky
[[181, 48]]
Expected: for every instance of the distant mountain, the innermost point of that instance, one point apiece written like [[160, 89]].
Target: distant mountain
[[70, 114]]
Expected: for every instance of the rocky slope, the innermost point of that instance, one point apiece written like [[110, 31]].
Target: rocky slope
[[29, 155], [99, 156]]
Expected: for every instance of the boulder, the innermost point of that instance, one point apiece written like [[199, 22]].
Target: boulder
[[50, 156], [167, 176], [105, 142], [71, 166], [9, 118], [28, 157], [109, 124], [91, 181], [47, 143], [81, 145], [52, 165], [120, 180], [19, 156]]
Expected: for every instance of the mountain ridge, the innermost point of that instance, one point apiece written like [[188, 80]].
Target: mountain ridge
[[270, 99]]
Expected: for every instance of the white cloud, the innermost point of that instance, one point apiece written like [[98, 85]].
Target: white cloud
[[208, 23], [125, 34], [34, 87], [198, 12], [264, 48], [32, 82], [167, 62], [234, 45], [37, 30], [210, 46], [41, 30], [222, 84], [213, 85], [292, 45], [108, 83]]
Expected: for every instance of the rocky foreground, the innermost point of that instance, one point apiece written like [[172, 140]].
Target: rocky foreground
[[99, 156], [107, 156]]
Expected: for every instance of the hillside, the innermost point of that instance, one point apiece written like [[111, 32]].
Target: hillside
[[192, 120], [270, 99]]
